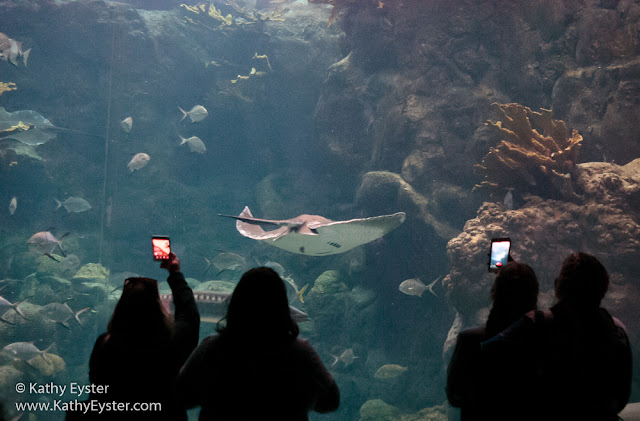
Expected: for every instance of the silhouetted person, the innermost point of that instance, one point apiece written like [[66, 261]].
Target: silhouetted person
[[471, 378], [140, 354], [256, 367], [582, 355]]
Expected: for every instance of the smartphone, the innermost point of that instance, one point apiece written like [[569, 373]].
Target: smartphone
[[161, 247], [500, 248]]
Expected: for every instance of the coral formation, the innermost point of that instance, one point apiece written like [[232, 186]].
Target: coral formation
[[328, 283], [7, 86], [605, 223], [540, 161], [222, 18]]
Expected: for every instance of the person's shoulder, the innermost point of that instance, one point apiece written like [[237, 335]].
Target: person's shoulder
[[212, 340], [474, 332], [101, 340], [617, 323]]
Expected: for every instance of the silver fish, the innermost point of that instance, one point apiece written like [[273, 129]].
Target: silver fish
[[195, 144], [197, 113], [13, 205], [61, 313], [416, 287], [299, 292], [347, 357], [5, 305], [412, 287], [229, 261], [25, 351], [127, 124], [389, 371], [140, 160], [508, 200], [74, 205], [45, 243], [275, 266], [11, 50]]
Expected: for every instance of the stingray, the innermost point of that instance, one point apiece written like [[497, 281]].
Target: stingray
[[314, 235], [31, 128]]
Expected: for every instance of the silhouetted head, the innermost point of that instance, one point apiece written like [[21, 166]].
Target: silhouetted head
[[514, 293], [582, 281], [139, 316], [259, 308]]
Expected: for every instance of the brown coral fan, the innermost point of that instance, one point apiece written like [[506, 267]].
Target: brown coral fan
[[539, 160]]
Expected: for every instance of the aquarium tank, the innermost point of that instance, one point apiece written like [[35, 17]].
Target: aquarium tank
[[424, 127]]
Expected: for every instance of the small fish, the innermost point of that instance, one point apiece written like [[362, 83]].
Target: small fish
[[11, 50], [127, 124], [45, 243], [508, 200], [412, 287], [195, 144], [61, 313], [140, 160], [5, 305], [389, 371], [197, 113], [25, 351], [13, 205], [299, 292], [229, 261], [347, 357], [275, 266], [74, 205]]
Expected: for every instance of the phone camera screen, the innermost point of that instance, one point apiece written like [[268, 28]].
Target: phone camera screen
[[499, 254], [161, 248]]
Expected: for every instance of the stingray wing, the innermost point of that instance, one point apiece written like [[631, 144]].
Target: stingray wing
[[250, 227], [338, 236]]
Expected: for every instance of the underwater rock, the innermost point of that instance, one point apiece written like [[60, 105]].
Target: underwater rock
[[606, 223], [386, 187], [379, 410], [327, 283], [362, 297], [49, 266], [92, 272]]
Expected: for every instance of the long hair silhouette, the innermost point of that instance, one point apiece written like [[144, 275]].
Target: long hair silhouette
[[514, 293], [139, 317], [259, 308]]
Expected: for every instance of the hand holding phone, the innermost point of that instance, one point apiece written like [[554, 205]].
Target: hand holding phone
[[172, 264], [161, 247], [499, 255]]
